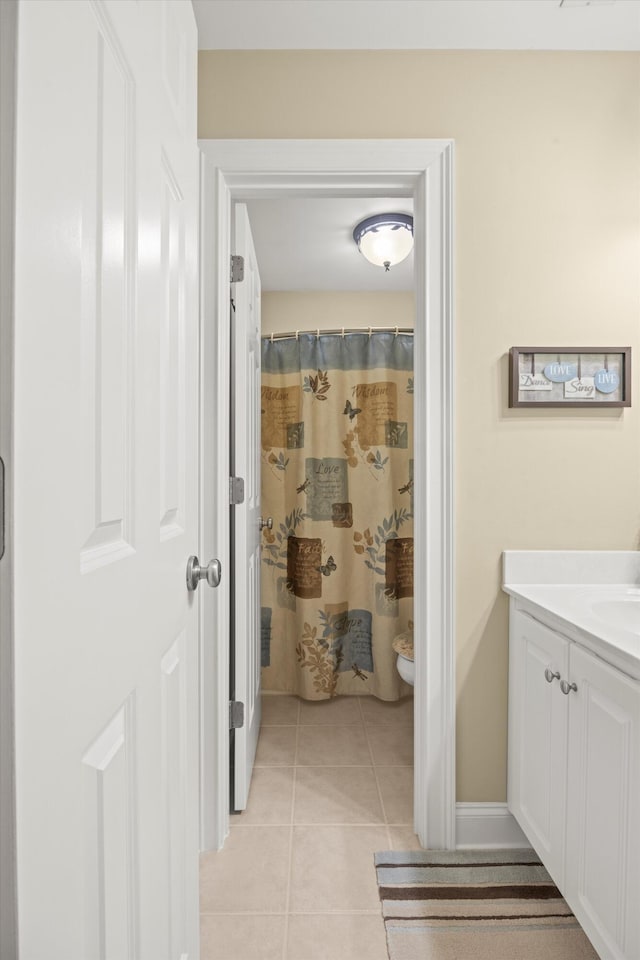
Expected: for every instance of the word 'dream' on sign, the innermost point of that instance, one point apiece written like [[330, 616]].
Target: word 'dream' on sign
[[534, 381], [580, 389]]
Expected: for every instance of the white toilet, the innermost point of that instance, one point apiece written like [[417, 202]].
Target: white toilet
[[403, 646]]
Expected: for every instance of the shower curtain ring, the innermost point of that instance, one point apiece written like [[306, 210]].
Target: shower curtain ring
[[297, 332], [369, 332], [343, 333], [272, 336], [396, 333], [317, 333]]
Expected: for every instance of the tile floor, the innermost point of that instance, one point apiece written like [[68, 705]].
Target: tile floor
[[333, 783]]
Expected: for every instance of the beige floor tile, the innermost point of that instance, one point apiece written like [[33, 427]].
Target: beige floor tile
[[332, 937], [391, 745], [381, 711], [241, 938], [279, 708], [249, 874], [270, 797], [276, 747], [333, 746], [338, 710], [332, 868], [396, 790], [337, 795], [403, 838]]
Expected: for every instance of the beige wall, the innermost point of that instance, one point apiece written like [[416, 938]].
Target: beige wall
[[547, 252], [282, 312]]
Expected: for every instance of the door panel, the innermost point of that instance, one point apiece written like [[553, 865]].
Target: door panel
[[112, 910], [106, 468], [108, 235], [246, 531], [603, 818], [172, 358], [538, 758]]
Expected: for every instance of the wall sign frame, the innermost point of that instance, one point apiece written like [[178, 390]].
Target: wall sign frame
[[570, 377]]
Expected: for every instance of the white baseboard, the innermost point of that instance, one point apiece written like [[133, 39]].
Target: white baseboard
[[487, 825]]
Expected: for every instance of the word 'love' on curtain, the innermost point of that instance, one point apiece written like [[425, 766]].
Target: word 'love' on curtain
[[337, 478]]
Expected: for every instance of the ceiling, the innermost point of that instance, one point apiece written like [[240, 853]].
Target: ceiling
[[418, 24], [308, 244]]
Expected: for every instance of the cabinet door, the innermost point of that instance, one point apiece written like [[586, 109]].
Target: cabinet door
[[603, 829], [538, 737]]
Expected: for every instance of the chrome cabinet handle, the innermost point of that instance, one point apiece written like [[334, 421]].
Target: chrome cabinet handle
[[550, 675], [212, 573], [568, 687], [268, 523]]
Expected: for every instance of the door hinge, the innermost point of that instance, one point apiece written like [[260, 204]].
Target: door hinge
[[1, 508], [236, 714], [237, 268], [236, 491]]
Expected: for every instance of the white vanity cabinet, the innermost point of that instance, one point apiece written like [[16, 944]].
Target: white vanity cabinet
[[574, 778]]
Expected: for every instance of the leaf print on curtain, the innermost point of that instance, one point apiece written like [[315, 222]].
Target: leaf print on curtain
[[337, 478]]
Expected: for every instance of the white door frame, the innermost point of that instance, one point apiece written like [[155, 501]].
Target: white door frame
[[8, 110], [422, 169]]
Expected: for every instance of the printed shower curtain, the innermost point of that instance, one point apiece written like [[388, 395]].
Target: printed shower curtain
[[337, 478]]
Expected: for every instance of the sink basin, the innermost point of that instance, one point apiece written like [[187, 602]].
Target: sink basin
[[623, 612]]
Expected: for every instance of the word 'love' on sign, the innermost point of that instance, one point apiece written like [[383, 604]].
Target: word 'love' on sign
[[560, 371]]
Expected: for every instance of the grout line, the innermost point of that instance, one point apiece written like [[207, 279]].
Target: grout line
[[319, 766], [340, 723], [336, 913], [268, 726], [375, 774], [333, 766], [294, 913], [320, 824], [350, 723], [295, 754], [381, 723], [285, 941], [325, 766]]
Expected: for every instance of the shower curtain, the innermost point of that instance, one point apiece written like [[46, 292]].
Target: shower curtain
[[337, 479]]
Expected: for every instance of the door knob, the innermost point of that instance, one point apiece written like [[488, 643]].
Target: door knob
[[212, 573], [551, 675], [568, 687], [268, 523]]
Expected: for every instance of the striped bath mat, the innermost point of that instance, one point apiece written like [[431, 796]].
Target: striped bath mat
[[475, 905]]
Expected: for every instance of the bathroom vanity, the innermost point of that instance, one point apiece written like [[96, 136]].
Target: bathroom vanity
[[574, 731]]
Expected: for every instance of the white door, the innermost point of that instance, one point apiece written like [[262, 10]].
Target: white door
[[246, 528], [106, 379], [603, 809], [538, 732]]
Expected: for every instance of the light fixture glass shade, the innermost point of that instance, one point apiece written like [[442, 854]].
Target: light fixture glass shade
[[385, 239]]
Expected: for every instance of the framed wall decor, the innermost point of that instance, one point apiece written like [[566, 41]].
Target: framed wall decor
[[570, 377]]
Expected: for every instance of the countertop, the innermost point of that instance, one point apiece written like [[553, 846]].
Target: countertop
[[603, 616]]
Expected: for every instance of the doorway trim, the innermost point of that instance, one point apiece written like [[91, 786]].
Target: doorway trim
[[8, 111], [283, 169]]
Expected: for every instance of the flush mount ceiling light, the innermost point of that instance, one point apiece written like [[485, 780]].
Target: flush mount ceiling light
[[385, 239]]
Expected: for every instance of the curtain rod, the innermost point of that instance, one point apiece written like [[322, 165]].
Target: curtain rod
[[337, 332]]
